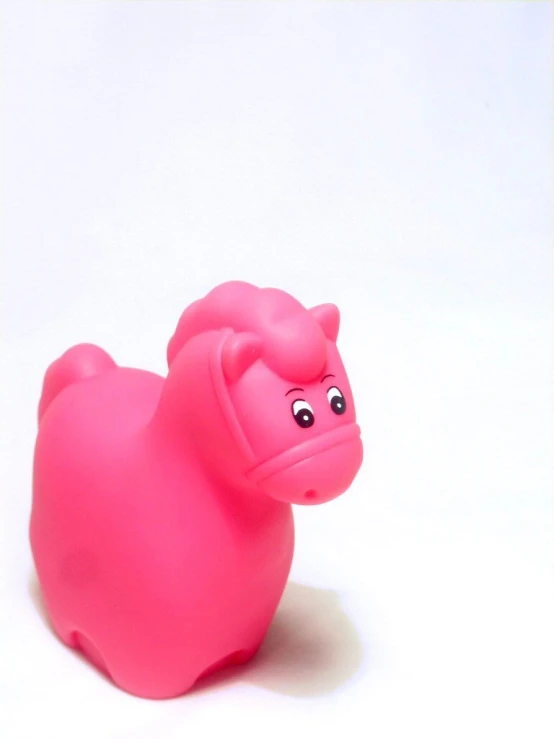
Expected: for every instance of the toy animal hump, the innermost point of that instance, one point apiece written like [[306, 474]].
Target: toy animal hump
[[267, 322]]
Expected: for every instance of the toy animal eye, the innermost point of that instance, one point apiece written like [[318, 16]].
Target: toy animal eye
[[303, 413], [336, 400]]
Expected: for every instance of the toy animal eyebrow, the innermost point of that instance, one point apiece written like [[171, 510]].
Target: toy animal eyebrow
[[325, 377], [293, 389]]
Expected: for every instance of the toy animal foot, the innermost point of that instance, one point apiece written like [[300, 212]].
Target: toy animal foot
[[79, 641], [87, 647], [240, 657], [146, 680], [153, 683]]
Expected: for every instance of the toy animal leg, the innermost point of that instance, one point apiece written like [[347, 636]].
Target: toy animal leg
[[154, 676], [77, 640], [239, 657], [150, 680], [164, 672]]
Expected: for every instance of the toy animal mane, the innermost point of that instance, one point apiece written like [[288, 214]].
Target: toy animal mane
[[294, 343]]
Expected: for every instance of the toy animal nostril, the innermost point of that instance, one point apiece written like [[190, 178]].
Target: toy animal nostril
[[310, 494]]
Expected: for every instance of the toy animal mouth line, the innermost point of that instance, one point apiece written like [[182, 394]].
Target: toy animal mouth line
[[303, 451]]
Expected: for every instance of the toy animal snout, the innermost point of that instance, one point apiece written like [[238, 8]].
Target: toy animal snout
[[315, 471]]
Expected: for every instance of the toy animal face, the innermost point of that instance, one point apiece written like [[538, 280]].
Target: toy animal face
[[303, 434], [272, 408]]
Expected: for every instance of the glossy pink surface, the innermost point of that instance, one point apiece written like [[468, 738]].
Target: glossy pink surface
[[161, 527]]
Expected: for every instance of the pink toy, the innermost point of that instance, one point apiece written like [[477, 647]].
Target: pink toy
[[161, 528]]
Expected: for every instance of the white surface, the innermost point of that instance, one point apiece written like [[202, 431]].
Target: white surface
[[395, 159]]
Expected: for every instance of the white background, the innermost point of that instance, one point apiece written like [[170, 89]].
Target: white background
[[393, 158]]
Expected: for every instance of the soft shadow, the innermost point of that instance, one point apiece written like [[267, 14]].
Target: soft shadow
[[311, 647]]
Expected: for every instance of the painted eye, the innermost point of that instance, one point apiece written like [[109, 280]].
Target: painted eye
[[303, 413], [336, 400]]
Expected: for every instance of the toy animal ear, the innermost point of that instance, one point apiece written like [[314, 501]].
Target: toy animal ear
[[239, 352], [328, 317]]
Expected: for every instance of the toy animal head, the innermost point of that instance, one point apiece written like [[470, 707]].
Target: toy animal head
[[258, 383]]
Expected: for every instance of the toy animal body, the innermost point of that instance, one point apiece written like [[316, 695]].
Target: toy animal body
[[161, 528]]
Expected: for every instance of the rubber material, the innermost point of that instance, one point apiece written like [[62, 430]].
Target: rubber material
[[161, 525]]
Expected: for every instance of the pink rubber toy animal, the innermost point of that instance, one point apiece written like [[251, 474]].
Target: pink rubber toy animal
[[162, 527]]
